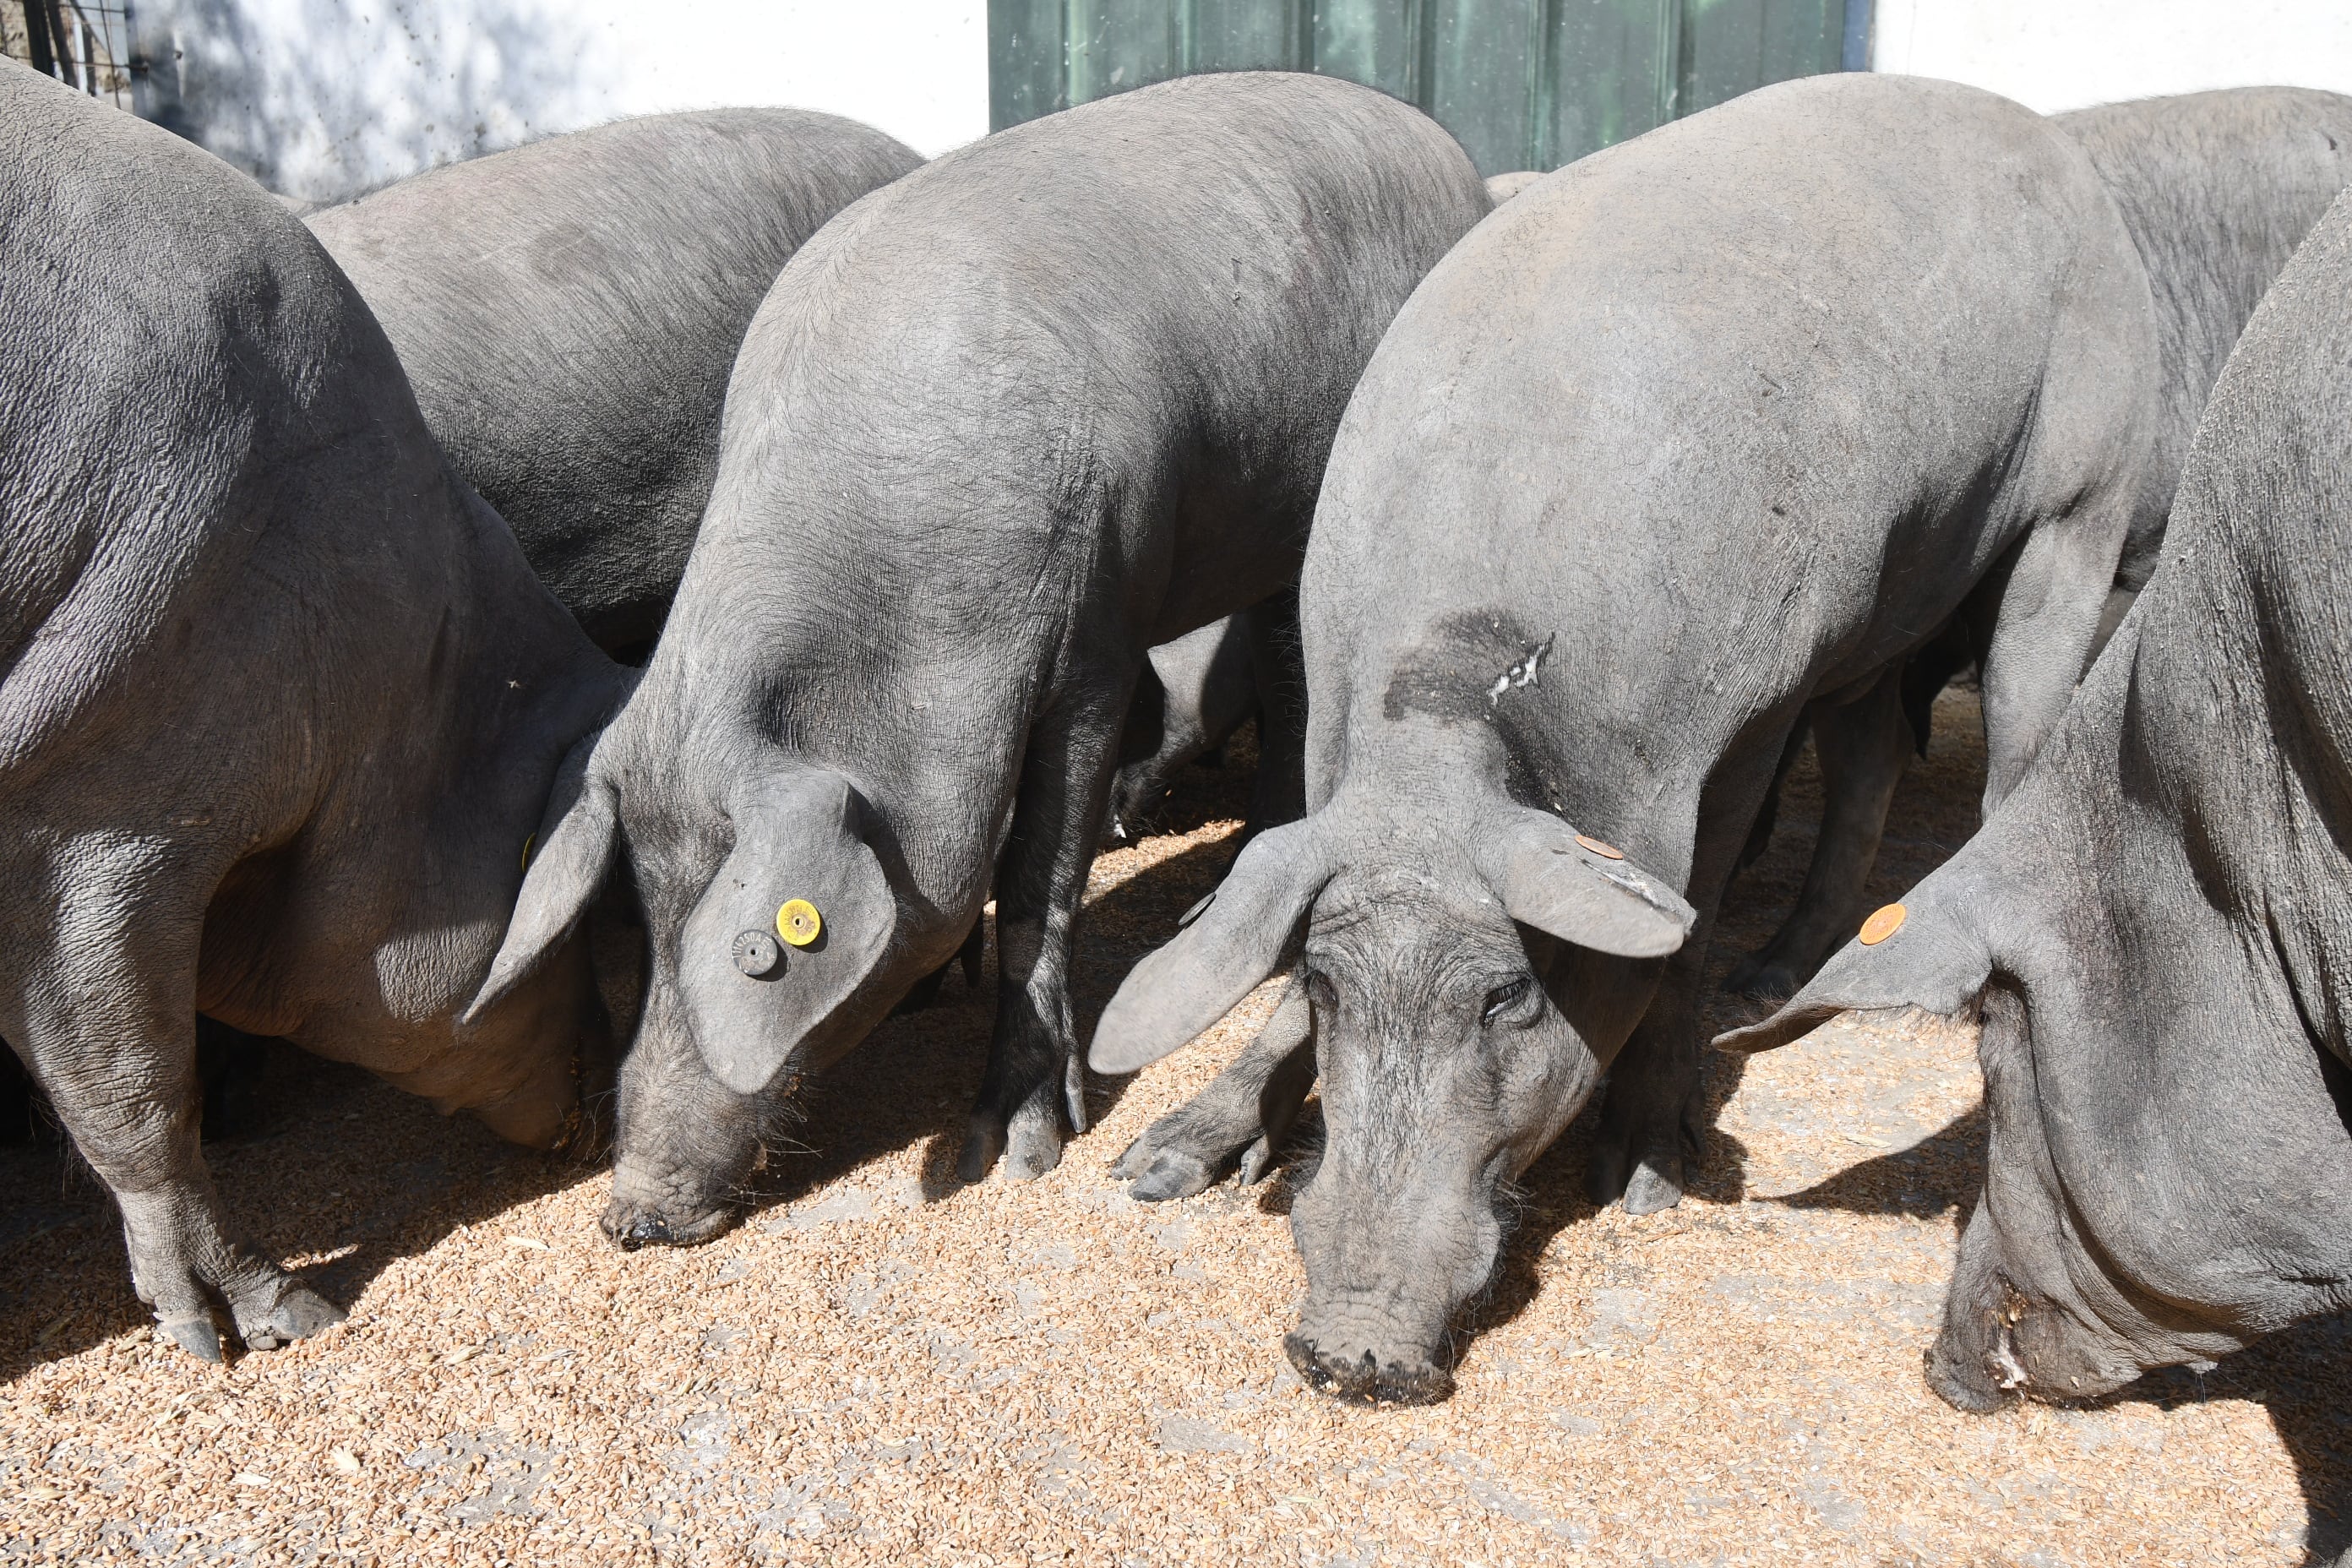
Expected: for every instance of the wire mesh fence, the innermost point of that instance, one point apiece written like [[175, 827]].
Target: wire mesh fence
[[87, 46]]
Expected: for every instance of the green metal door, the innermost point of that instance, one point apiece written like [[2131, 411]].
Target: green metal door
[[1525, 84]]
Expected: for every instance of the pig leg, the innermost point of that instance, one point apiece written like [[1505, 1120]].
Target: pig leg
[[110, 1033], [1650, 1118], [1247, 1111], [1278, 795], [1862, 746], [2047, 621], [1035, 1073]]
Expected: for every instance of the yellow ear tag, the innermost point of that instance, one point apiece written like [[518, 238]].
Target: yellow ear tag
[[527, 840], [1606, 851], [1882, 923], [799, 924]]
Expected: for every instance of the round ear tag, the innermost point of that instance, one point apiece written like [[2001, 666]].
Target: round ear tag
[[1883, 922], [799, 924], [757, 954], [1606, 851]]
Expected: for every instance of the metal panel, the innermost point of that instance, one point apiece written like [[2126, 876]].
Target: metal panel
[[1612, 75], [1731, 47], [1525, 84]]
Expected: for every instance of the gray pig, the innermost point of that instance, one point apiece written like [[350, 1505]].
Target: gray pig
[[567, 313], [2217, 189], [280, 701], [2158, 925], [1045, 402], [1687, 434], [1192, 694]]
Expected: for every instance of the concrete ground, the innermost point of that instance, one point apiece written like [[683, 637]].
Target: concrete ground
[[881, 1366]]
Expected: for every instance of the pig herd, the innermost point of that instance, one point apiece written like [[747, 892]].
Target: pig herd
[[731, 532]]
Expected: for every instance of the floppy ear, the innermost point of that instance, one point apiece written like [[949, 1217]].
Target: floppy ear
[[1228, 944], [566, 862], [1933, 959], [1551, 879], [798, 916]]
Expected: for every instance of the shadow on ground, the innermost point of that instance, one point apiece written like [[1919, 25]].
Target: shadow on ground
[[294, 1184]]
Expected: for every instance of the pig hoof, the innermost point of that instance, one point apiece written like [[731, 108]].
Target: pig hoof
[[1258, 1162], [1175, 1174], [1134, 1160], [982, 1145], [1366, 1380], [1033, 1147], [194, 1335], [1654, 1187], [297, 1314]]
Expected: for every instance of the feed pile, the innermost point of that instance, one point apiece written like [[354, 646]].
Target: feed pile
[[879, 1365]]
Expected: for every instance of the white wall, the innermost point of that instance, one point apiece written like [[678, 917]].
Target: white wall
[[321, 98], [2054, 55]]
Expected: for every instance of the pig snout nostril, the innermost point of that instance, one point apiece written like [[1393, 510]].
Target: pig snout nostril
[[1366, 1379], [646, 1230]]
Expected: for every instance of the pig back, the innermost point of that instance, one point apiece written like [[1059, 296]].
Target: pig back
[[2217, 190], [567, 313], [1146, 313], [216, 469], [1736, 407]]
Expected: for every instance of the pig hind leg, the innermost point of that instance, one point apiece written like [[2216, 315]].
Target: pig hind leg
[[1035, 1074], [1278, 669], [1245, 1113], [106, 1022], [1862, 746]]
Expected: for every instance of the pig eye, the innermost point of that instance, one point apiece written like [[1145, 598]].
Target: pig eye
[[1503, 998]]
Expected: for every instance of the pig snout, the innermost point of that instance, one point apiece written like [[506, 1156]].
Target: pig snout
[[687, 1147], [1354, 1350], [1999, 1340], [1386, 1277], [653, 1208]]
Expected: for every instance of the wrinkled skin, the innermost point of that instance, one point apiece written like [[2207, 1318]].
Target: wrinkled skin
[[275, 722], [1004, 424], [2217, 190], [2158, 920], [1583, 557], [568, 311]]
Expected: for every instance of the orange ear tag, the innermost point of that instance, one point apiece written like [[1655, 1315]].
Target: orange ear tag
[[1883, 922], [799, 924], [1606, 851]]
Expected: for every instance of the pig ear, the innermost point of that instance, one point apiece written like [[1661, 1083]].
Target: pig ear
[[565, 865], [1927, 954], [802, 888], [1228, 944], [1581, 890]]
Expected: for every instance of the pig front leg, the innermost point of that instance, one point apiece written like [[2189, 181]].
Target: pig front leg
[[1245, 1112], [1035, 1074], [1647, 1122], [110, 1033], [2047, 624], [1863, 746], [1650, 1120]]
